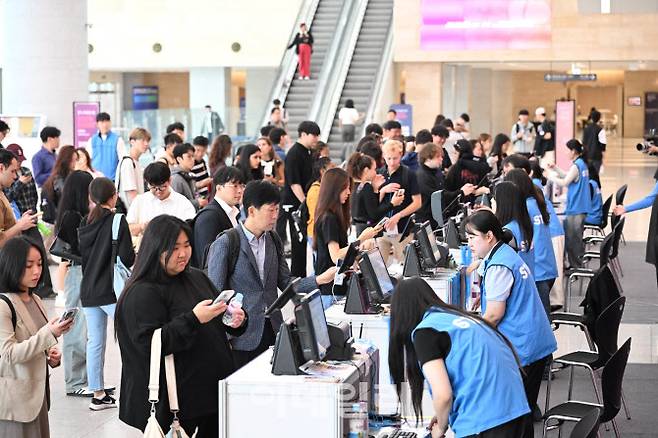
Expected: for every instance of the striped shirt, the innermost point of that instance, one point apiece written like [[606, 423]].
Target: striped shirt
[[200, 172]]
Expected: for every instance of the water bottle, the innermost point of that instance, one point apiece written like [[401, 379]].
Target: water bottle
[[357, 418], [236, 303], [43, 229]]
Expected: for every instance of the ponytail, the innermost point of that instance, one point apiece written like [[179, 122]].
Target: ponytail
[[101, 190]]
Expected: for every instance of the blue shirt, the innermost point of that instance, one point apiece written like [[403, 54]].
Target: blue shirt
[[486, 383], [526, 254], [42, 165], [257, 245], [554, 225], [280, 152], [578, 198], [545, 265], [595, 215], [104, 155], [525, 323], [644, 203]]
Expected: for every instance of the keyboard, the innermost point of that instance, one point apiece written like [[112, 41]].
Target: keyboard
[[398, 433]]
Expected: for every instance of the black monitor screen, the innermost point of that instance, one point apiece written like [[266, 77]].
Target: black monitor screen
[[376, 275], [312, 327], [432, 239], [429, 250]]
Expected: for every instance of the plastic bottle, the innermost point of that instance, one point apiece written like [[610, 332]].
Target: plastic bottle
[[43, 229], [233, 305], [357, 417]]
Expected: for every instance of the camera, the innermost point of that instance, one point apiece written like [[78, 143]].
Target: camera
[[649, 140]]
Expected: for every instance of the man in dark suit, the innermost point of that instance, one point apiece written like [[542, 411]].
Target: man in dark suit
[[259, 269], [221, 213]]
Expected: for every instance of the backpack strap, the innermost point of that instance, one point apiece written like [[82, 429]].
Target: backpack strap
[[6, 299], [278, 244], [233, 251]]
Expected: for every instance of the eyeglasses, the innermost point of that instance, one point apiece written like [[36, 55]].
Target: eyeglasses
[[235, 186], [161, 188]]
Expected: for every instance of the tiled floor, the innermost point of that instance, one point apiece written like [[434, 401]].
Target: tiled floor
[[71, 418]]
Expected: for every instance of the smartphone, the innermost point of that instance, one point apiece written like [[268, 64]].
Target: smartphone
[[400, 192], [382, 222], [68, 314], [224, 296]]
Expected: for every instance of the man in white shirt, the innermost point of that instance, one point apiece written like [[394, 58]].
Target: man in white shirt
[[160, 199], [523, 134], [130, 175]]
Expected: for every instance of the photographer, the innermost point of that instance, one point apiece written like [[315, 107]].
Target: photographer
[[650, 200]]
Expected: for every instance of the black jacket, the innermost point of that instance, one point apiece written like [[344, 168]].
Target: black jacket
[[366, 208], [299, 39], [593, 146], [96, 288], [208, 223], [201, 351], [429, 181], [468, 169]]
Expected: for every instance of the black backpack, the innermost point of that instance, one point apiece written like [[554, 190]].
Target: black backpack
[[11, 309], [192, 223], [234, 249]]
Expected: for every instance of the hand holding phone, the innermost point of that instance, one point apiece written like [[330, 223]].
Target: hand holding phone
[[400, 192], [382, 222]]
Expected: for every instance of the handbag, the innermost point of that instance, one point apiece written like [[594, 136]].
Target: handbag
[[61, 248], [153, 429], [120, 273]]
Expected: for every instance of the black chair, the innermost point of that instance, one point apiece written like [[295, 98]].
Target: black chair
[[603, 255], [611, 383], [619, 200], [618, 230], [607, 330], [602, 290], [598, 230], [588, 426]]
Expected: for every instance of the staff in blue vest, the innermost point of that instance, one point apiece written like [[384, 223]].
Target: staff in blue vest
[[512, 212], [472, 370], [595, 215], [578, 201], [545, 265], [106, 147], [510, 300]]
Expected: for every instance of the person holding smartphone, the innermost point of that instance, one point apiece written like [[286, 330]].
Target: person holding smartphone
[[25, 334]]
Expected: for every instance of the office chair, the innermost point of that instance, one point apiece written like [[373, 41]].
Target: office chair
[[588, 426], [611, 383]]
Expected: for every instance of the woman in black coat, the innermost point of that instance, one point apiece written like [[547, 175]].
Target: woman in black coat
[[165, 292]]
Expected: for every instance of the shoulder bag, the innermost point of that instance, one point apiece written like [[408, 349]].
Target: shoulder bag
[[153, 429], [120, 273]]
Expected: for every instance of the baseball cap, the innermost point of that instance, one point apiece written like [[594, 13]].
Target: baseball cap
[[18, 151], [540, 111]]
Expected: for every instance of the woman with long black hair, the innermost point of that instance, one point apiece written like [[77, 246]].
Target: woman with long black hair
[[472, 370], [578, 201], [510, 300], [73, 208], [332, 225], [165, 292], [545, 271], [512, 212], [249, 163], [97, 289], [498, 152]]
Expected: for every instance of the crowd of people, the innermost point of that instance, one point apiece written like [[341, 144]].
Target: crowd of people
[[203, 218]]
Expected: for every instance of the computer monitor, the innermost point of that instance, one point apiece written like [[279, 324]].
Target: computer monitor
[[376, 275], [429, 249], [350, 257], [312, 327]]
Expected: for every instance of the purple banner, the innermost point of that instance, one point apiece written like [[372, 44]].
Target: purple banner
[[84, 122]]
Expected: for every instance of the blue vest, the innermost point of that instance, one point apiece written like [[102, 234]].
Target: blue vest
[[545, 265], [104, 155], [578, 198], [525, 322], [555, 225], [595, 215], [526, 254], [486, 383]]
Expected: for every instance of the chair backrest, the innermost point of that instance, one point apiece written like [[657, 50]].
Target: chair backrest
[[620, 195], [611, 381], [588, 426], [602, 291], [617, 231], [605, 210], [437, 208], [607, 329], [605, 250]]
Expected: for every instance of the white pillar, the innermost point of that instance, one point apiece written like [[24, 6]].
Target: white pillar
[[258, 87], [211, 86], [44, 66]]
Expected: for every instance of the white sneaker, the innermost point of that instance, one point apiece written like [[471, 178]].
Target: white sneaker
[[301, 78], [307, 78], [99, 404]]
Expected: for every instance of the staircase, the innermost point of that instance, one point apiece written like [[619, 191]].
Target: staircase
[[365, 64], [300, 94]]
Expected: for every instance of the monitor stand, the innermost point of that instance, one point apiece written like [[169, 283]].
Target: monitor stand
[[358, 298], [288, 357], [411, 262], [452, 235]]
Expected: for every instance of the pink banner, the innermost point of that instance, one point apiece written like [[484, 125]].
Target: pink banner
[[485, 24], [565, 126], [84, 122]]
